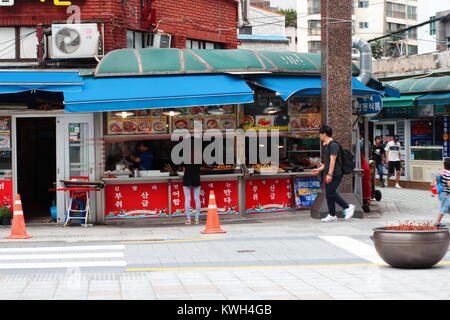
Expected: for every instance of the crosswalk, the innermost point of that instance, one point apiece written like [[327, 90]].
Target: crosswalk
[[52, 257]]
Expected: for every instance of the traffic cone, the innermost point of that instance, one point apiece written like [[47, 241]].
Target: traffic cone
[[212, 219], [18, 230]]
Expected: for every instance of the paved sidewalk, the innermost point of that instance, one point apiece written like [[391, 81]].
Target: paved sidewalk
[[271, 258], [396, 205]]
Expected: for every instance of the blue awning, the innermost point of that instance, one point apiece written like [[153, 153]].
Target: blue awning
[[305, 86], [131, 93], [20, 81], [434, 98]]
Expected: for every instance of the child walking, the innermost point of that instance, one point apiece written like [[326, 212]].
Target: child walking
[[444, 196]]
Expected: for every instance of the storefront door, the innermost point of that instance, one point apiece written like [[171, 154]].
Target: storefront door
[[47, 149], [75, 144]]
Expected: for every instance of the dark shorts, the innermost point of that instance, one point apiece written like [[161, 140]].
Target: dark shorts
[[394, 165]]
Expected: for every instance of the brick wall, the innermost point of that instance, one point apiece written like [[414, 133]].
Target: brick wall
[[209, 20]]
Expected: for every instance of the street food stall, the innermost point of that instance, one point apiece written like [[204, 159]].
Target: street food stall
[[240, 188]]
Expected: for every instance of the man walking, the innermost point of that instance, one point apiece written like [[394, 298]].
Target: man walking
[[393, 157], [332, 174], [379, 156]]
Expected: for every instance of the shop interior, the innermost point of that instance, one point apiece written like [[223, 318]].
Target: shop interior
[[296, 122], [36, 162]]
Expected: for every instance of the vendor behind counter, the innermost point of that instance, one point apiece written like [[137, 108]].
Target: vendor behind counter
[[145, 158]]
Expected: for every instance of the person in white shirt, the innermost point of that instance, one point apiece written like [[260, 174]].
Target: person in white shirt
[[393, 158]]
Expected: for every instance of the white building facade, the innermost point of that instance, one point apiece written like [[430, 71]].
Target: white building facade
[[371, 19], [265, 32]]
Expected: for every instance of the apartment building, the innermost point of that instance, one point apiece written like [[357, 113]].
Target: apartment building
[[371, 18]]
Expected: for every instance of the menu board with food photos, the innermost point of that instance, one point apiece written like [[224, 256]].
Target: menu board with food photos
[[188, 115], [5, 133], [142, 122], [304, 113]]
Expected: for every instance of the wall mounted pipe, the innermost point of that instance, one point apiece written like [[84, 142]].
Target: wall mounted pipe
[[365, 59]]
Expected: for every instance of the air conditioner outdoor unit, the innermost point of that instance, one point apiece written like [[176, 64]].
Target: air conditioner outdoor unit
[[6, 2], [156, 40], [74, 41]]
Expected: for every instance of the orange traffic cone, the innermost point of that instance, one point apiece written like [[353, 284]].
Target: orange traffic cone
[[212, 219], [18, 230]]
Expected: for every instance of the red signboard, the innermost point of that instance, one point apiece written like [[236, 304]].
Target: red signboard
[[136, 201], [269, 195], [226, 193], [6, 193]]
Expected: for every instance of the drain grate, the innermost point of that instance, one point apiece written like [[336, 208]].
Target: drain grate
[[245, 251]]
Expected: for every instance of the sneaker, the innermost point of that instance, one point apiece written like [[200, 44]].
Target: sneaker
[[439, 225], [329, 218], [382, 185], [398, 186], [349, 211]]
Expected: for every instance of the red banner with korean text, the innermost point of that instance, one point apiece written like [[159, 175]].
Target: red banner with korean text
[[136, 201], [226, 192], [6, 194], [269, 195]]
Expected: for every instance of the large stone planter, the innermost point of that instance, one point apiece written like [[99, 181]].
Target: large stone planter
[[411, 249]]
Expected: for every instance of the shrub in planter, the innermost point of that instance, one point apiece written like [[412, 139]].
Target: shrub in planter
[[411, 245], [5, 215]]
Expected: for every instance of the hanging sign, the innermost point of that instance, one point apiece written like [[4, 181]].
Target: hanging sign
[[446, 137], [370, 106]]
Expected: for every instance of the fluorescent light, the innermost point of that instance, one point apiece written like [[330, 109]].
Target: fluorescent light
[[171, 112], [124, 114]]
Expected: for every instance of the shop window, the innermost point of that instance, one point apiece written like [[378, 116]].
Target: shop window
[[18, 43], [422, 132]]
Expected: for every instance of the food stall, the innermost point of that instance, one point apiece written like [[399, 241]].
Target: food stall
[[290, 186], [244, 188]]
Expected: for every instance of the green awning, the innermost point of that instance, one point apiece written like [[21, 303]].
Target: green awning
[[425, 85], [134, 62], [406, 100]]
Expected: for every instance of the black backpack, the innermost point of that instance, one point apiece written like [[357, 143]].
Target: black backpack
[[346, 159]]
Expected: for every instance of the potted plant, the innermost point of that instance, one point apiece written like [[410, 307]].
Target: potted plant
[[5, 214], [411, 245], [5, 210]]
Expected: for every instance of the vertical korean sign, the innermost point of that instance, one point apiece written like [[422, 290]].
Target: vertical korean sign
[[306, 190], [268, 195], [136, 201], [446, 137]]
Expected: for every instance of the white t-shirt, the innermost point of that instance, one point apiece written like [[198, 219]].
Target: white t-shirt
[[393, 149]]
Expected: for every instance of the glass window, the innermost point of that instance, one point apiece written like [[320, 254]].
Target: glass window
[[363, 4], [313, 6], [130, 39], [412, 50], [432, 27], [314, 27], [7, 43], [412, 12], [78, 149], [246, 30], [363, 25], [395, 10], [314, 46]]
